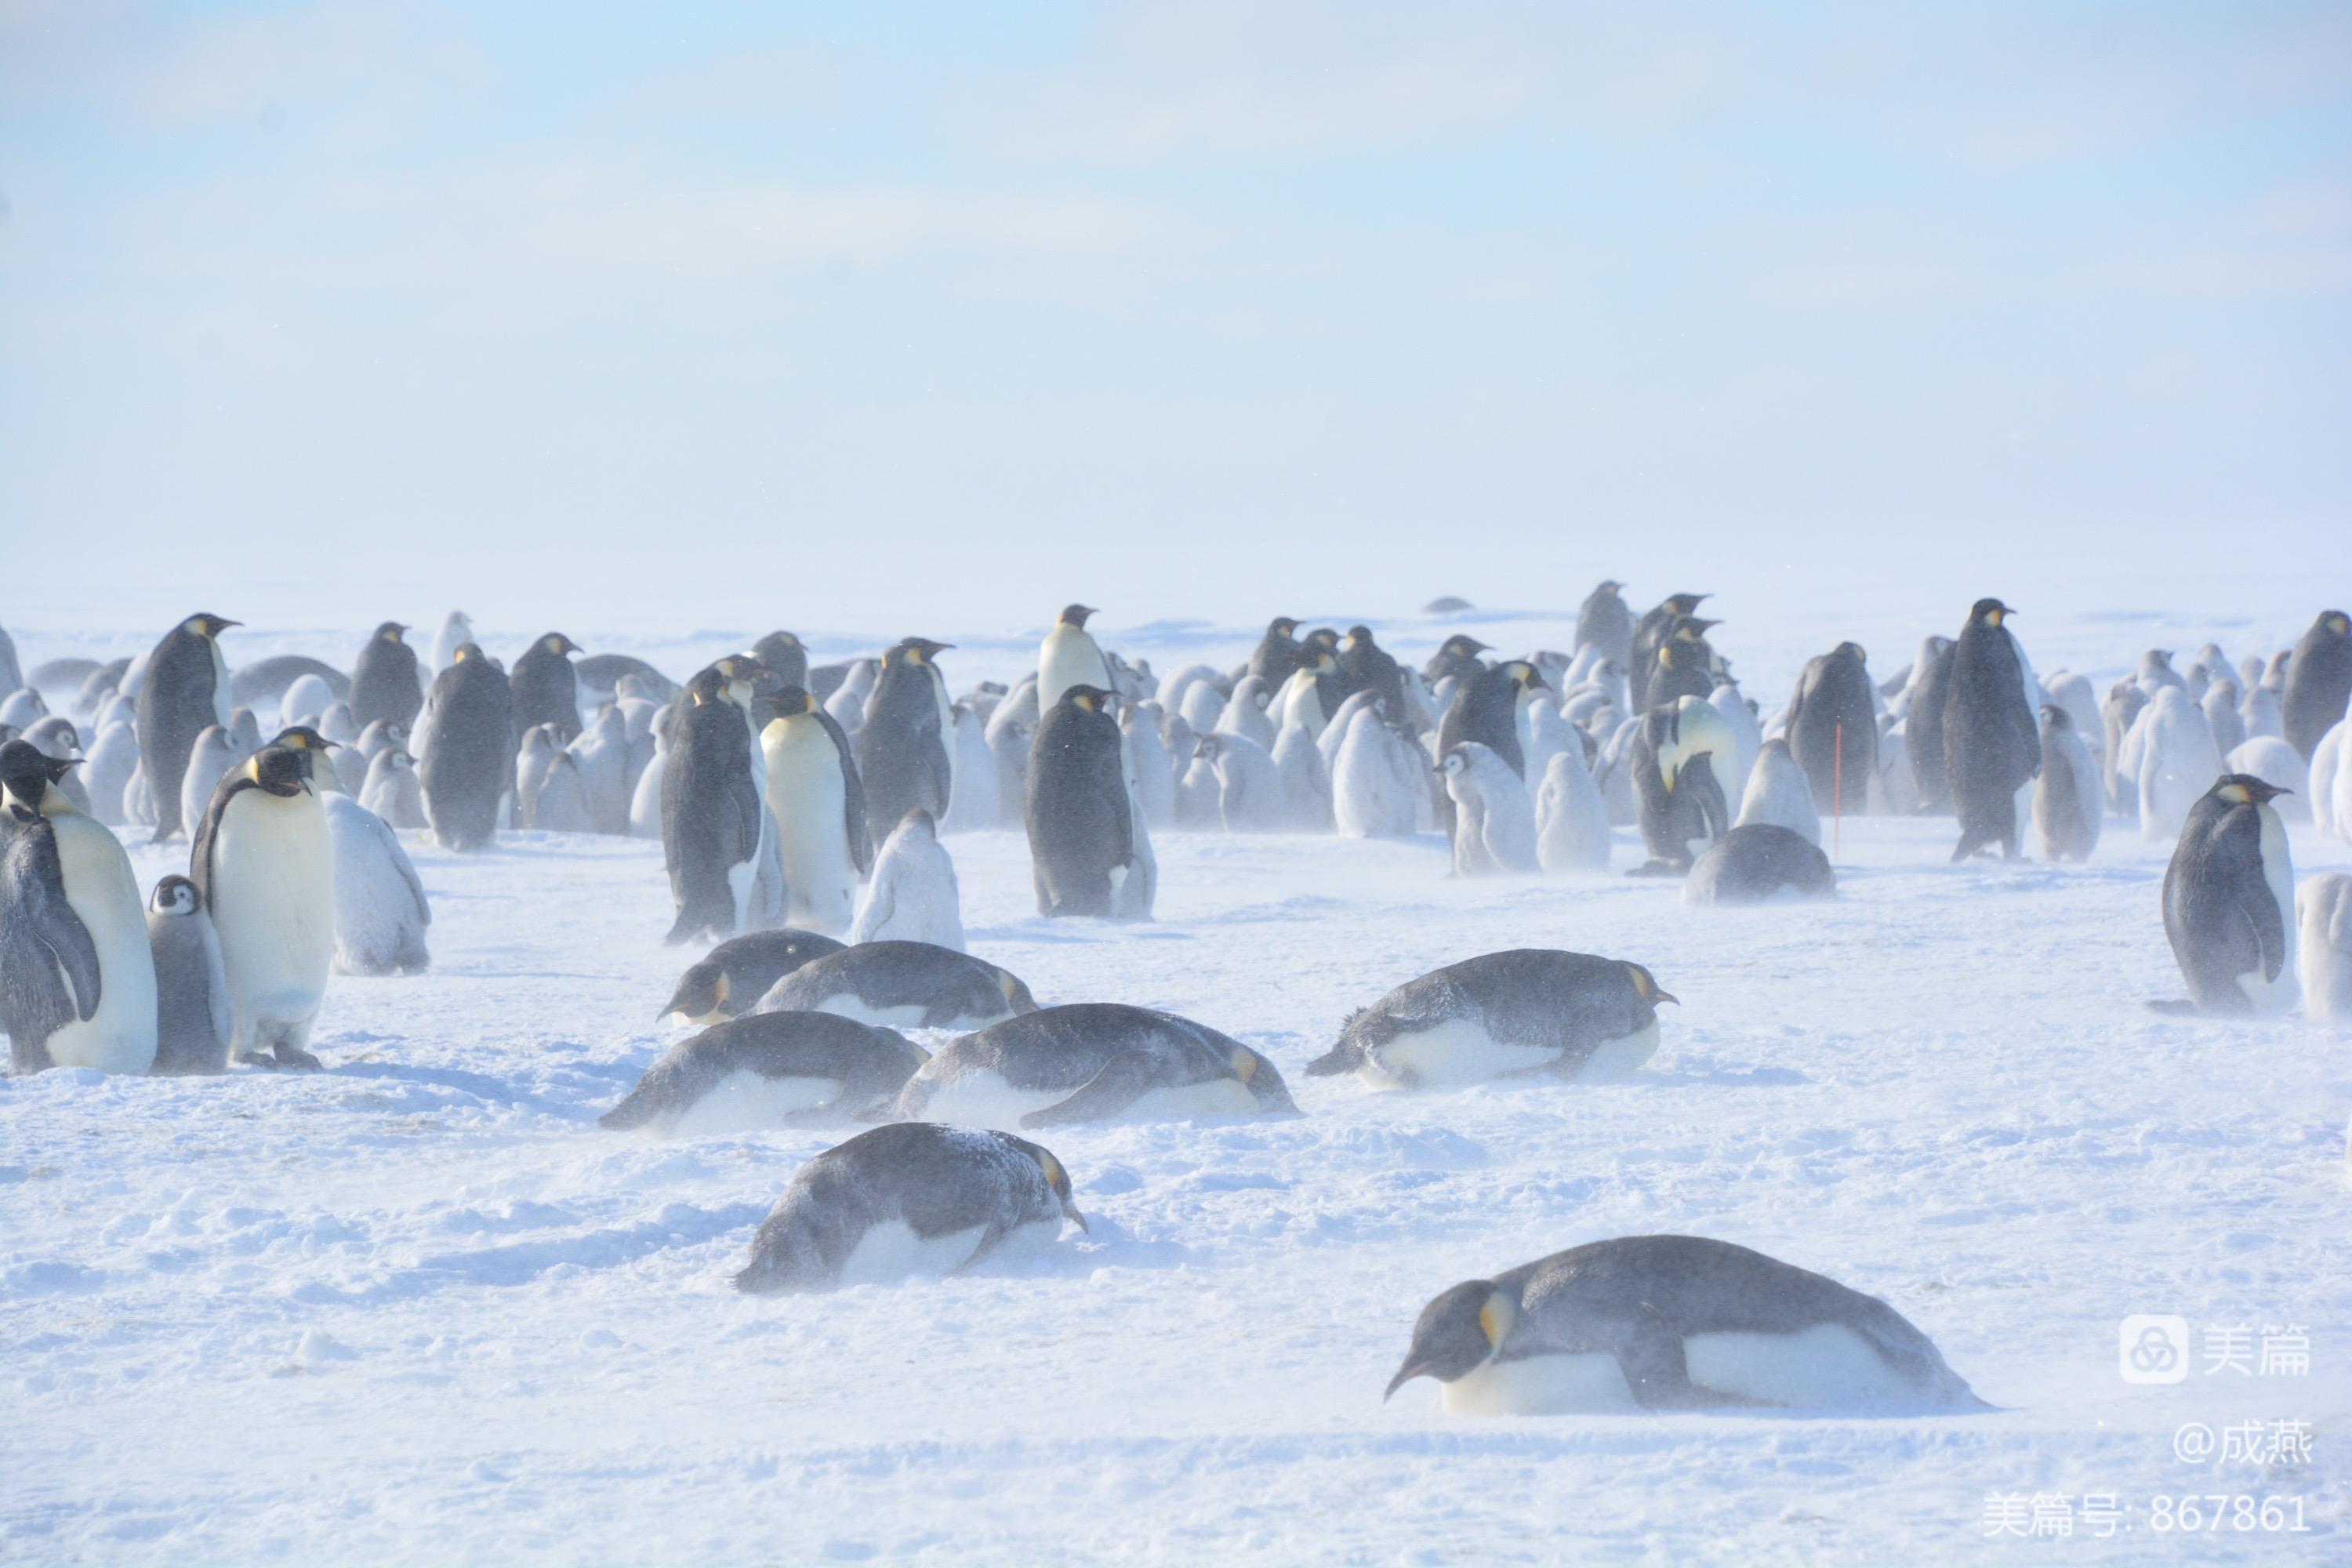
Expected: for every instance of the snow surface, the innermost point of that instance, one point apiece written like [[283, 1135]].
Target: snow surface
[[419, 1308]]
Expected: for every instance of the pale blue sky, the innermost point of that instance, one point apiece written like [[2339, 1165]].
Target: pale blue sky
[[832, 315]]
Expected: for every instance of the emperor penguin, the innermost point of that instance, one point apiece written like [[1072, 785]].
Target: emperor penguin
[[1832, 727], [1079, 813], [193, 1017], [2319, 682], [2324, 905], [533, 763], [748, 683], [711, 812], [977, 807], [1244, 783], [2272, 761], [1456, 659], [1605, 622], [2177, 762], [2119, 711], [2219, 705], [265, 863], [1668, 1324], [902, 750], [12, 674], [1778, 792], [106, 774], [1301, 698], [22, 707], [305, 701], [912, 895], [902, 985], [730, 979], [1248, 713], [818, 803], [391, 789], [1650, 634], [2259, 713], [76, 976], [456, 631], [1571, 818], [380, 909], [2069, 802], [465, 772], [212, 755], [768, 1070], [1305, 787], [1371, 667], [1206, 706], [785, 655], [1277, 654], [1685, 665], [1491, 709], [1494, 819], [608, 677], [1092, 1061], [1992, 743], [1673, 761], [384, 680], [1148, 760], [547, 689], [1068, 657], [1759, 861], [913, 1198], [2229, 903], [600, 753], [1376, 790], [1526, 1011], [185, 687]]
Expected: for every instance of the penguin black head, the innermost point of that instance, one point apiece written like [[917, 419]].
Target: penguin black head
[[305, 740], [2337, 621], [205, 623], [788, 702], [1853, 649], [174, 896], [1456, 1334], [1282, 626], [559, 644], [1359, 637], [26, 774], [282, 771], [1685, 604], [390, 631], [1526, 676], [1056, 1178], [1088, 699], [1076, 614], [1464, 647], [1694, 628], [1208, 745], [707, 686], [2245, 789], [701, 992], [1322, 637], [916, 650], [1647, 987], [1610, 586], [467, 653], [1989, 612]]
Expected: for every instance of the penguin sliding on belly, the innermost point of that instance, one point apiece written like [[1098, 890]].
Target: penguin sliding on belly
[[1673, 1322], [771, 1069], [731, 977], [1092, 1061], [1530, 1010], [902, 985], [2229, 903], [912, 1198]]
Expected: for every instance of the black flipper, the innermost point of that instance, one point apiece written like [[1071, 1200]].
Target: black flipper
[[48, 964], [1124, 1080]]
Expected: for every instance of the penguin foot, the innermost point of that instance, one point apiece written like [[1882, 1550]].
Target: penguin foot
[[289, 1056], [256, 1059]]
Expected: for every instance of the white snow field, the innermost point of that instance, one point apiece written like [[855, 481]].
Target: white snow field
[[419, 1308]]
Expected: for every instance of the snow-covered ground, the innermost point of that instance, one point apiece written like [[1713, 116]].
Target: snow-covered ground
[[419, 1308]]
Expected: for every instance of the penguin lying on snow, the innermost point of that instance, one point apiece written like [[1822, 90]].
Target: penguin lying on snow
[[1091, 1061], [1525, 1011], [771, 1069], [1758, 861], [1673, 1322], [731, 977], [2229, 903], [902, 985], [910, 1198]]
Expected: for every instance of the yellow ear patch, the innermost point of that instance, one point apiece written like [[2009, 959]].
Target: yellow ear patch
[[1052, 1167], [722, 986], [1006, 982], [1497, 1317], [2235, 793], [253, 767], [1245, 1066]]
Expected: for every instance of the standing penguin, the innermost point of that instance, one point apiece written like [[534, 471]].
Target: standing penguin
[[77, 978], [902, 750], [184, 687], [1069, 657], [2229, 903], [912, 896], [1277, 654], [1491, 710], [2177, 761], [391, 789], [1370, 667], [1778, 792], [1676, 755], [1493, 819], [601, 754], [194, 1018], [1081, 833], [785, 656], [1992, 743], [547, 689], [385, 682], [380, 910], [1376, 778], [2069, 799], [818, 803], [456, 631], [265, 866], [1834, 728], [1923, 723], [2318, 681], [213, 754], [1456, 659], [1650, 634], [467, 765], [1605, 622], [711, 812], [1571, 817]]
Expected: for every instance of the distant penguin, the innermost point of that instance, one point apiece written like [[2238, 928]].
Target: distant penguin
[[1081, 829], [265, 863], [270, 680], [902, 985], [1456, 659], [305, 702], [185, 687], [1206, 708], [1376, 779], [1650, 634], [2119, 711], [2319, 682], [2272, 761], [22, 707], [1277, 654], [1491, 710], [1571, 817], [1778, 792], [1758, 861], [1068, 657], [711, 812], [1305, 787], [1523, 1012], [533, 761], [456, 631], [1302, 699], [1012, 731], [2220, 706], [1834, 728], [909, 1199], [12, 674], [2177, 762], [607, 678], [193, 1017], [76, 975], [106, 774], [1369, 666], [1246, 713], [2155, 672], [1685, 665], [1923, 723], [2258, 712], [2324, 909], [786, 655], [1681, 804], [1672, 1323], [2069, 801], [391, 792], [384, 680], [380, 910], [466, 770], [1247, 786], [818, 803], [912, 895], [1092, 1061], [902, 751], [1495, 819], [730, 979], [547, 689], [1604, 621], [601, 754], [1992, 743], [2229, 903], [976, 806], [212, 755], [1746, 740], [1147, 756], [768, 1070]]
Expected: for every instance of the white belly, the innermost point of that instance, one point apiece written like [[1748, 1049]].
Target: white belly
[[747, 1101], [808, 800], [1587, 1383], [101, 889], [906, 1015], [985, 1100], [274, 906], [1615, 1059], [1458, 1051], [1218, 1097], [1068, 657], [891, 1251], [1827, 1366]]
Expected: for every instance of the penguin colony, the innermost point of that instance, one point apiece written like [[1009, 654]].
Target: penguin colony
[[801, 812]]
